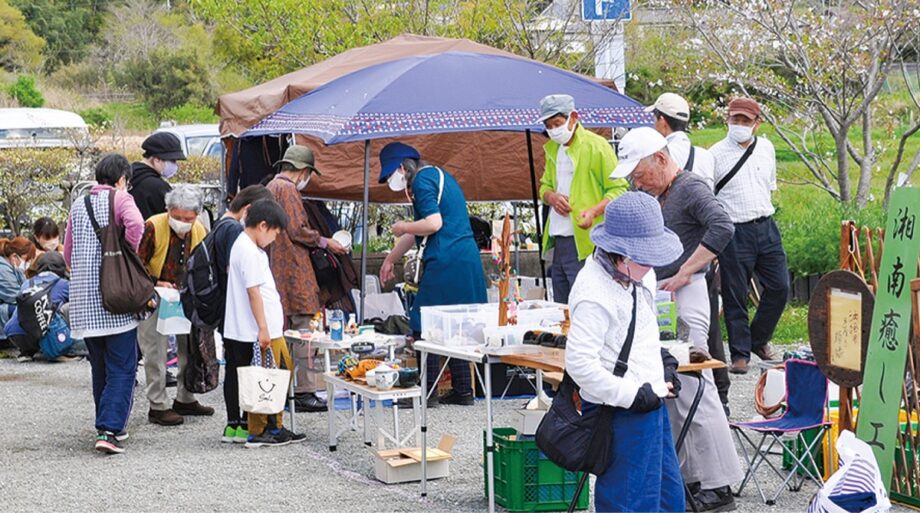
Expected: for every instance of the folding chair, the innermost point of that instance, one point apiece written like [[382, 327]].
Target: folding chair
[[806, 397]]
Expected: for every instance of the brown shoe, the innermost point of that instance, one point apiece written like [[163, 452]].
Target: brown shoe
[[194, 408], [765, 352], [165, 417], [739, 367]]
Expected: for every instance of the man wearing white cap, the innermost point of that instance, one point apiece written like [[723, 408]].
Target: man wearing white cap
[[708, 459], [577, 185], [672, 116]]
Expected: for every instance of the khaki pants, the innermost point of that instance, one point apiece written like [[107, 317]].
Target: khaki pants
[[257, 421], [154, 347], [307, 371]]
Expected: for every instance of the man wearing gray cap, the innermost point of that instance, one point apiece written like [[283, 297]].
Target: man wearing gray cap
[[576, 184]]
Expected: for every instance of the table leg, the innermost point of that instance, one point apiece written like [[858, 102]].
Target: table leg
[[366, 412], [490, 445], [701, 384], [327, 360], [291, 388], [539, 383], [378, 425], [330, 409], [395, 423], [423, 368], [417, 413]]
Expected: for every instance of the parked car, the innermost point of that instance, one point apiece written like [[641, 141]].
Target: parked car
[[197, 140], [41, 128]]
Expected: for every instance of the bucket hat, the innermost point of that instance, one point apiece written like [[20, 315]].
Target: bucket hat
[[633, 227], [300, 157]]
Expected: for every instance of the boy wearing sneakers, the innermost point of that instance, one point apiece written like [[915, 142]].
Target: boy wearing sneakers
[[254, 314]]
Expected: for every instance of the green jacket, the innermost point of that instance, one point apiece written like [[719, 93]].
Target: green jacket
[[593, 159]]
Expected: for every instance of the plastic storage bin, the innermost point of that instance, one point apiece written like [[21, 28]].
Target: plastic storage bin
[[463, 325], [526, 481]]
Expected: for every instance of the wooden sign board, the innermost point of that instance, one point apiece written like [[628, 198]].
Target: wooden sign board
[[890, 334], [839, 322]]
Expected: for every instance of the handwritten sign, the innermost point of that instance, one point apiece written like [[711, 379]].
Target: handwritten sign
[[889, 337], [845, 329]]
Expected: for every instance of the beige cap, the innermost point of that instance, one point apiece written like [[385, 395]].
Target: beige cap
[[671, 105]]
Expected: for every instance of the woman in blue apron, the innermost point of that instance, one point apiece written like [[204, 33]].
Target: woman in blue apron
[[643, 473], [452, 268]]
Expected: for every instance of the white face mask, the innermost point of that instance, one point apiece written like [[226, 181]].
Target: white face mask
[[51, 245], [180, 227], [561, 134], [23, 265], [397, 181], [301, 185], [740, 134]]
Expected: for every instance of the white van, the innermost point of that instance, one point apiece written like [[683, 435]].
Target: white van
[[203, 140], [41, 128]]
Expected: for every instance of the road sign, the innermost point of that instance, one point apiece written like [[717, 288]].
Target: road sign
[[605, 10], [887, 354]]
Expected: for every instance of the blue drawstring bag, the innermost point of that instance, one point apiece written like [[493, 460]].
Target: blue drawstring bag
[[57, 341]]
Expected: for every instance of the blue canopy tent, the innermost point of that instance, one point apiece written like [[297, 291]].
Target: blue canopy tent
[[444, 93]]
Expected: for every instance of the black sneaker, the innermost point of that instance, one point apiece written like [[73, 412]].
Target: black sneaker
[[309, 403], [268, 438], [107, 443], [719, 499], [459, 399], [295, 438]]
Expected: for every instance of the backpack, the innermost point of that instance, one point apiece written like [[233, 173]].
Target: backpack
[[57, 341], [125, 284], [203, 300], [35, 310]]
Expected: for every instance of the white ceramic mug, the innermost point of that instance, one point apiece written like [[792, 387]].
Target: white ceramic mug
[[385, 378]]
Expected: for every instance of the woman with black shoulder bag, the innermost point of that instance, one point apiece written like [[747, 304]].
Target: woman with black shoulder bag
[[614, 356]]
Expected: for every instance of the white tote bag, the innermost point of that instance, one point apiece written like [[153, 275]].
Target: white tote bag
[[263, 389]]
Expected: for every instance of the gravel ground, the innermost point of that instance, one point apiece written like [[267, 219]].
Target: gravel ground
[[48, 463]]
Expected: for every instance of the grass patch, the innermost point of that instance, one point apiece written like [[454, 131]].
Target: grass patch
[[792, 329]]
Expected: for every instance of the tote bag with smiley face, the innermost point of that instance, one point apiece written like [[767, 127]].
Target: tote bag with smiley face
[[263, 388]]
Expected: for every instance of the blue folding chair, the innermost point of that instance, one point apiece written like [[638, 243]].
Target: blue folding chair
[[806, 399]]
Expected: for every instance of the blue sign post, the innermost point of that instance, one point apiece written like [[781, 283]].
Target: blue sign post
[[605, 10]]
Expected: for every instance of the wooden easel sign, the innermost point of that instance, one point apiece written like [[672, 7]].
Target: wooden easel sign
[[889, 337]]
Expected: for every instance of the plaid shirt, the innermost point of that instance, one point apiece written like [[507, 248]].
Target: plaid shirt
[[748, 195], [88, 318]]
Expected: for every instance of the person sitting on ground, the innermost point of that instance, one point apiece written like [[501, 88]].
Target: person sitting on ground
[[643, 473], [49, 267], [15, 256], [46, 235], [225, 232], [254, 314], [168, 241]]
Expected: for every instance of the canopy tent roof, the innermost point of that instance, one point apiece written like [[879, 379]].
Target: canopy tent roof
[[241, 110], [490, 166], [445, 92]]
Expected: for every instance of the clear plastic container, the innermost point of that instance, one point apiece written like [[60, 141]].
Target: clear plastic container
[[463, 325]]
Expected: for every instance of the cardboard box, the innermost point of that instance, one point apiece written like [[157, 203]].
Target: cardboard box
[[526, 421], [405, 465]]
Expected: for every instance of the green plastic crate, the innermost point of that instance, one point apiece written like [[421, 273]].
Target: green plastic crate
[[667, 317], [526, 481], [817, 452]]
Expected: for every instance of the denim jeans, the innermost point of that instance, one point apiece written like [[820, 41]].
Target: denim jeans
[[114, 366], [756, 248]]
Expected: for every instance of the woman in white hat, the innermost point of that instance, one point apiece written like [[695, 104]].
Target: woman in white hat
[[643, 473]]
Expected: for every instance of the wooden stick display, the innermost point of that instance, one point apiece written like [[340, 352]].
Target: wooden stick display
[[504, 286]]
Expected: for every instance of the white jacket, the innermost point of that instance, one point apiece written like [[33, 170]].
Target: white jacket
[[601, 309]]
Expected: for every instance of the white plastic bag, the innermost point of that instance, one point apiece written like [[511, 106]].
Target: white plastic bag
[[170, 316], [263, 389], [857, 464]]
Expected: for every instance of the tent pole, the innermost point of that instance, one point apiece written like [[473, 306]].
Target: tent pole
[[365, 236], [536, 213]]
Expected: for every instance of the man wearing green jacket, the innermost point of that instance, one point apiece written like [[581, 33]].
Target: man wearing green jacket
[[577, 185]]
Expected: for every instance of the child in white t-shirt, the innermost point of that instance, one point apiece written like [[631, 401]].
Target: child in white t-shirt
[[254, 314]]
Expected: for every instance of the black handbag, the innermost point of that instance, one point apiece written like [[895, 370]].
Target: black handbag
[[580, 441]]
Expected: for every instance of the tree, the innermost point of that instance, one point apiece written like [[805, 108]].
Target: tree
[[25, 92], [819, 65], [168, 79], [68, 27], [268, 39], [20, 48]]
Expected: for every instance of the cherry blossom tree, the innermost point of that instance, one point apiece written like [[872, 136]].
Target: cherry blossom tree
[[820, 66]]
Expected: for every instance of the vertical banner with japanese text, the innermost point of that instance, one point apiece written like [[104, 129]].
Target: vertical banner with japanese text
[[887, 354]]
